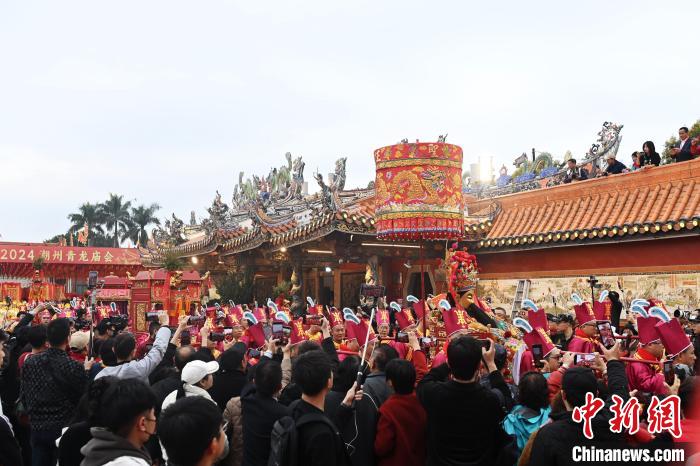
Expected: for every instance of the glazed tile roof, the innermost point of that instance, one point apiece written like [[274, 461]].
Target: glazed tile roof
[[660, 200]]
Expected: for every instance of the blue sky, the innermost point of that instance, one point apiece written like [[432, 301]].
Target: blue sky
[[166, 101]]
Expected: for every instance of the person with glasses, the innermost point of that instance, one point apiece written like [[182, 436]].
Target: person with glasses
[[193, 432], [127, 419], [584, 340]]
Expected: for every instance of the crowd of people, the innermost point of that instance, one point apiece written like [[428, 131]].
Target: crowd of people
[[686, 148], [292, 388]]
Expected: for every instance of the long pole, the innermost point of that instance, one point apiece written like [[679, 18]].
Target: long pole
[[422, 286], [364, 350]]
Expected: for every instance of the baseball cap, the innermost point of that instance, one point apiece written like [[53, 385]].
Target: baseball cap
[[195, 371], [79, 340]]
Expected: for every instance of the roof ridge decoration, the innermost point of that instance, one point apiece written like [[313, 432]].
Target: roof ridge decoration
[[543, 172]]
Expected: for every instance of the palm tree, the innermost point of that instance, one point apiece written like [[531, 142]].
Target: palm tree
[[117, 217], [141, 217], [90, 214]]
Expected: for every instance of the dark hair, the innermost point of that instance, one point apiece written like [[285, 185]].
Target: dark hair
[[124, 345], [93, 398], [103, 327], [183, 355], [572, 161], [306, 346], [686, 392], [464, 357], [187, 427], [382, 355], [533, 391], [268, 377], [635, 154], [683, 128], [347, 374], [402, 375], [500, 357], [58, 331], [312, 371], [121, 402], [576, 382], [651, 146], [107, 353], [230, 360], [153, 327], [36, 335]]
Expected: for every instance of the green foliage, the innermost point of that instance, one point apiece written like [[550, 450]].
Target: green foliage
[[172, 262], [117, 217], [673, 140], [141, 217], [236, 286], [281, 288], [38, 263]]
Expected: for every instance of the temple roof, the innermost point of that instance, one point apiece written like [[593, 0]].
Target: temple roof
[[655, 201]]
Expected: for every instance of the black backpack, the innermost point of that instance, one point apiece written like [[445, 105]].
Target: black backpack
[[284, 439]]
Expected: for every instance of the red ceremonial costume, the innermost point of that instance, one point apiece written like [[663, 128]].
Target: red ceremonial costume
[[644, 377], [582, 343]]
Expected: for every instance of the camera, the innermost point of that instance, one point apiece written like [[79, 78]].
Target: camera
[[216, 336], [195, 320], [119, 322], [81, 324], [280, 332], [92, 280], [312, 319], [401, 337], [428, 342]]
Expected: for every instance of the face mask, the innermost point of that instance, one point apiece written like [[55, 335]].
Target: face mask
[[224, 454]]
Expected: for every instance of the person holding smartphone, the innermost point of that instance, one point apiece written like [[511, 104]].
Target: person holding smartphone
[[642, 376]]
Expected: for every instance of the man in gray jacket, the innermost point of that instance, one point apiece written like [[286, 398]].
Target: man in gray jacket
[[125, 350]]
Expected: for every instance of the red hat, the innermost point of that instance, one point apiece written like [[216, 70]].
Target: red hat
[[535, 315], [234, 317], [357, 328], [404, 317], [257, 335], [602, 307], [673, 337], [584, 312], [646, 327], [298, 334], [335, 318], [418, 306], [382, 317], [534, 336], [260, 314], [454, 319]]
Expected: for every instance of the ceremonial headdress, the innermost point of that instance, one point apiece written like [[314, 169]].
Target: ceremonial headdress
[[404, 317], [534, 336], [382, 317], [357, 328], [335, 318], [646, 322], [672, 335], [454, 319], [462, 270], [584, 312], [535, 315], [255, 329], [418, 306], [602, 307]]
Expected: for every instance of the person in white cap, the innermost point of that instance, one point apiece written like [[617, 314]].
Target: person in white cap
[[196, 379], [614, 167]]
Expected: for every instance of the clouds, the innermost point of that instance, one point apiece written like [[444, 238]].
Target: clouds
[[166, 101]]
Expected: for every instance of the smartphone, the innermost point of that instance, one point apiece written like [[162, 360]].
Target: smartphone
[[537, 355], [228, 330], [583, 359], [669, 373], [606, 334], [253, 353], [185, 338], [267, 331], [486, 344], [312, 319], [401, 337]]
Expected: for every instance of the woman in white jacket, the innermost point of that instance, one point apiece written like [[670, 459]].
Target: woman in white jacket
[[197, 378]]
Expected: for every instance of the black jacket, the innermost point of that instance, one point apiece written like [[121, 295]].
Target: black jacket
[[464, 419], [684, 154], [227, 385], [259, 414], [615, 169], [52, 384], [10, 452], [72, 440], [165, 387], [318, 445], [554, 442], [651, 159], [359, 433]]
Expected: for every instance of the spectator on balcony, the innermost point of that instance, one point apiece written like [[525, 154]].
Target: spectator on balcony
[[636, 161], [681, 151], [649, 156], [574, 173], [695, 146], [614, 167]]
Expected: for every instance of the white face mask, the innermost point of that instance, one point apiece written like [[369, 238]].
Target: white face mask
[[224, 454]]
